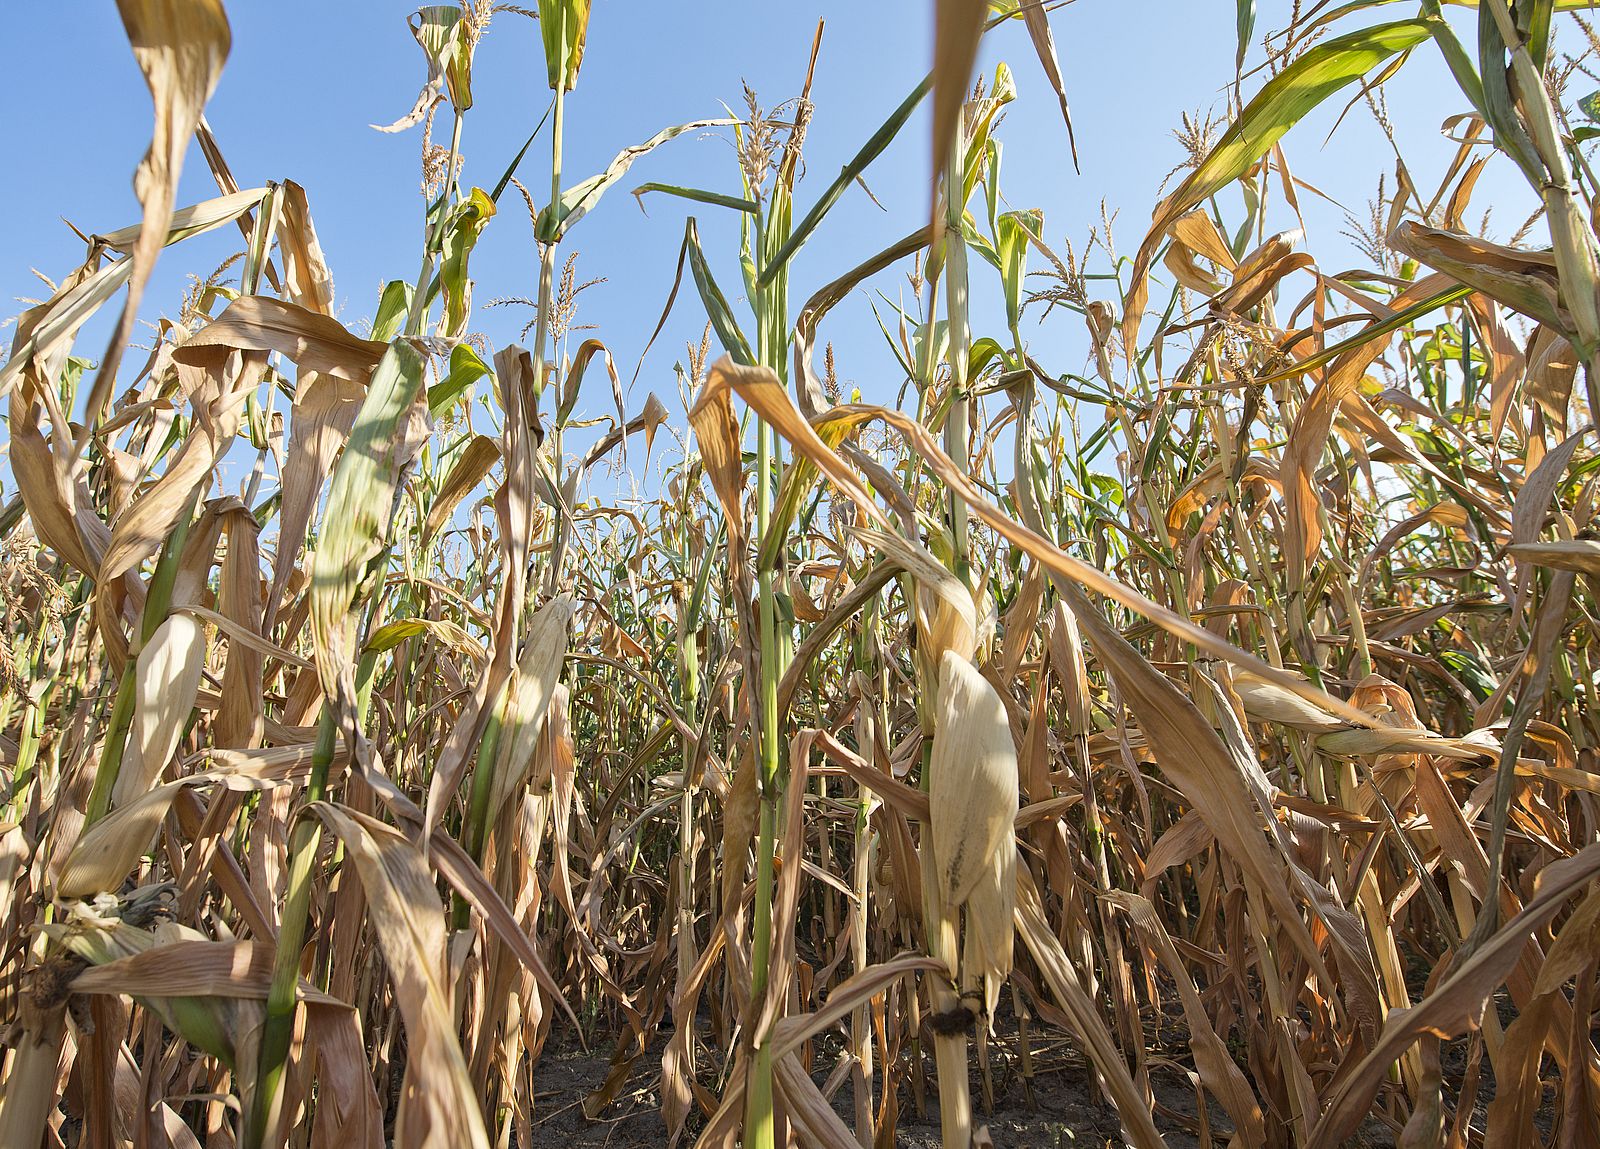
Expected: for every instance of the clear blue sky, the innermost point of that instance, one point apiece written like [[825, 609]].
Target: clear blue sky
[[307, 77]]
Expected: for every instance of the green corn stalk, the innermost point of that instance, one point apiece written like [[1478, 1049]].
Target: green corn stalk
[[278, 1026], [950, 1049], [771, 228]]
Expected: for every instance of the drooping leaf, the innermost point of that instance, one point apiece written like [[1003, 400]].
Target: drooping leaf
[[442, 34], [180, 46], [1318, 73], [555, 220], [469, 469]]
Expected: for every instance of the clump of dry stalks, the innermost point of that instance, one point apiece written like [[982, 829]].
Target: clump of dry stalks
[[1253, 702]]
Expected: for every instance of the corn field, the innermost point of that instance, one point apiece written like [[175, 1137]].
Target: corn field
[[1206, 721]]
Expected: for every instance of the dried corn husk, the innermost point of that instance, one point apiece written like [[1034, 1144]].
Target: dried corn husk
[[528, 697], [1268, 702], [973, 778], [166, 681]]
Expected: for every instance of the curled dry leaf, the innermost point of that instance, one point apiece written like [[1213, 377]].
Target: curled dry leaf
[[180, 46]]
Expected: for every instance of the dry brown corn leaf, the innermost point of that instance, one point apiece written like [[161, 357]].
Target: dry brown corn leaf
[[1268, 702], [110, 849], [1531, 506], [139, 531], [312, 341], [1198, 232], [236, 632], [812, 1118], [760, 388], [1083, 1012], [438, 1108], [457, 868], [1217, 1069], [307, 281], [180, 46], [1316, 74], [45, 339], [1518, 1100], [54, 493], [1521, 279], [241, 719], [1552, 367], [1196, 760], [1581, 555], [1456, 1003], [947, 618], [471, 467], [1308, 438], [1044, 47]]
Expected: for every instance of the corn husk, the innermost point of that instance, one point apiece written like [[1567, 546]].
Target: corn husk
[[166, 682], [1268, 702], [973, 797], [528, 698]]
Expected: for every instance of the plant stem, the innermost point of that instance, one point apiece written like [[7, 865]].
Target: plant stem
[[416, 320], [942, 923], [156, 605], [758, 1108], [278, 1027], [543, 318]]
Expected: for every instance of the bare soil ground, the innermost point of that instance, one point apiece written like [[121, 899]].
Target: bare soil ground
[[1060, 1111]]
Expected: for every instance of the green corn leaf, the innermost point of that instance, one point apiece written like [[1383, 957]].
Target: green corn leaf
[[1402, 318], [1455, 55], [980, 146], [467, 221], [1499, 106], [1014, 228], [870, 151], [578, 200], [516, 161], [979, 242], [716, 304], [393, 306], [699, 195], [1533, 19], [360, 505], [466, 368]]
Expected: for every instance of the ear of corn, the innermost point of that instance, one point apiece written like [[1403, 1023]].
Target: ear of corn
[[166, 681], [973, 782]]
